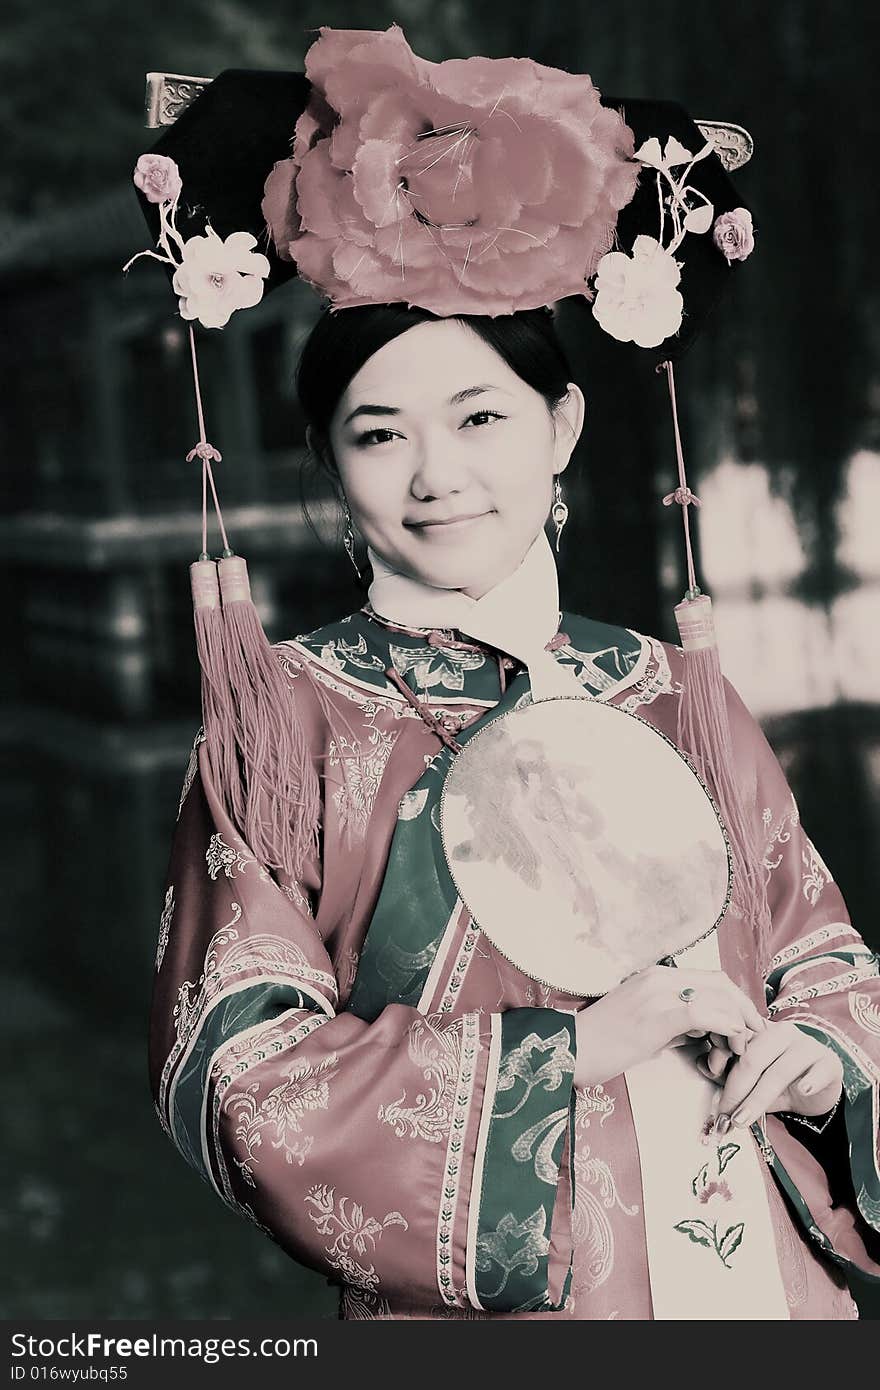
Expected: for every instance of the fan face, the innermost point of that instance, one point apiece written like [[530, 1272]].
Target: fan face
[[582, 843]]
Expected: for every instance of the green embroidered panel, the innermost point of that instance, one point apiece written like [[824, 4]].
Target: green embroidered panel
[[531, 1112], [417, 895], [357, 647], [252, 1004]]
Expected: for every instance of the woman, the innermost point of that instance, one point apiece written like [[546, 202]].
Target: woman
[[352, 1065]]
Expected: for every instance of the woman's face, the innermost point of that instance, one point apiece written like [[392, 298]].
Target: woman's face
[[436, 427]]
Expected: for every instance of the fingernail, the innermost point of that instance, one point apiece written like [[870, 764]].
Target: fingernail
[[722, 1124], [740, 1117]]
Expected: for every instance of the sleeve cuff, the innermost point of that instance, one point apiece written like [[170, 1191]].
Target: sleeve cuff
[[817, 1123], [519, 1245]]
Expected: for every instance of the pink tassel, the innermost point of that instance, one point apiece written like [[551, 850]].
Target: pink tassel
[[704, 732], [276, 771], [208, 620], [256, 746]]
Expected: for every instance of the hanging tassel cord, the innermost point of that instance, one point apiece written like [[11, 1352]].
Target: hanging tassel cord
[[703, 725], [206, 452], [682, 494], [257, 751]]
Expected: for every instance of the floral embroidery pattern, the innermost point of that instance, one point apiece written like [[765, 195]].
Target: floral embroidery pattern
[[460, 968], [365, 763], [551, 1126], [865, 1013], [657, 679], [249, 960], [222, 858], [516, 1064], [513, 1245], [291, 890], [435, 666], [353, 1231], [595, 1194], [437, 1052], [190, 1007], [817, 875], [704, 1187], [778, 835], [165, 925], [235, 1060], [590, 1100], [702, 1234], [306, 1087], [338, 653]]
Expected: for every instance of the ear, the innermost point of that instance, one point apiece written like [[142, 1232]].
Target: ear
[[568, 421]]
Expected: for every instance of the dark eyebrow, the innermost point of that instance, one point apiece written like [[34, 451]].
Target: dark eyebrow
[[463, 395]]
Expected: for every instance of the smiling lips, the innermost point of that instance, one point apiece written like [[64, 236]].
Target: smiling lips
[[454, 524]]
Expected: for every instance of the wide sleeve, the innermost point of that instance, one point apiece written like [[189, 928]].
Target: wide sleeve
[[823, 977], [382, 1153]]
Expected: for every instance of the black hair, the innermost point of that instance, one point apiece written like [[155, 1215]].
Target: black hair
[[343, 340]]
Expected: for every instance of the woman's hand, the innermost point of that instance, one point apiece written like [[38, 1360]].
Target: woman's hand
[[645, 1013], [782, 1068]]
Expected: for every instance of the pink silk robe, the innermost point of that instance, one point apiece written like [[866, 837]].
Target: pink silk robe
[[341, 1056]]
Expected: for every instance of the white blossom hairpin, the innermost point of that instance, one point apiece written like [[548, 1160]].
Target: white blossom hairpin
[[637, 296]]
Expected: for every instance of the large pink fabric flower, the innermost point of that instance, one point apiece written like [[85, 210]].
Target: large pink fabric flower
[[475, 185]]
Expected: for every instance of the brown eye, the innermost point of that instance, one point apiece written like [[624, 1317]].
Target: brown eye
[[369, 437], [488, 414]]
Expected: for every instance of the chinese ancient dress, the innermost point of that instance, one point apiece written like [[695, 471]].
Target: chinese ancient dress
[[351, 1065]]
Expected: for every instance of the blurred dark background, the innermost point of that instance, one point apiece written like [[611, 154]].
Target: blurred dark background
[[99, 696]]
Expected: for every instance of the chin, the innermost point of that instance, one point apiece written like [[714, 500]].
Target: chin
[[456, 572]]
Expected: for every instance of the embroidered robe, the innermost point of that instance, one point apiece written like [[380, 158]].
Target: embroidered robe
[[350, 1064]]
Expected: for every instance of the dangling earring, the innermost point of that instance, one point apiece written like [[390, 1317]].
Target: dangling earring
[[348, 538], [559, 512]]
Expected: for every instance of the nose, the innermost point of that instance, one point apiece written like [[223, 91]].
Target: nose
[[438, 472]]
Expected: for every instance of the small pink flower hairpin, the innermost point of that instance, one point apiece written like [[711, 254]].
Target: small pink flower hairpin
[[733, 234]]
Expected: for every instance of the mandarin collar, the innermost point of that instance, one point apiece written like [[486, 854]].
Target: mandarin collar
[[450, 634]]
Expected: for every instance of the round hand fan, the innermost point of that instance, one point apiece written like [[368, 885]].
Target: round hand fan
[[583, 843]]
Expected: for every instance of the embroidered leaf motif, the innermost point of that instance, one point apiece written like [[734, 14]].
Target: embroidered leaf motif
[[700, 1180], [697, 1231], [725, 1154], [513, 1245], [729, 1241]]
